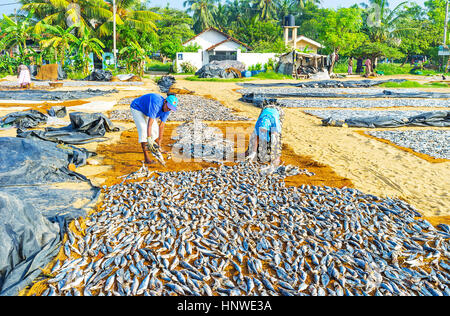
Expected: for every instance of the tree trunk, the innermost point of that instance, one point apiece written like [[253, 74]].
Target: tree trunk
[[404, 62]]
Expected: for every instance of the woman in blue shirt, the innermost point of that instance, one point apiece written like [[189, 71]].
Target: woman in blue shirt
[[145, 111], [265, 142]]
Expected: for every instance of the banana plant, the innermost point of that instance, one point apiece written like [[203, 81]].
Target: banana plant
[[59, 40], [16, 33], [86, 44], [135, 57]]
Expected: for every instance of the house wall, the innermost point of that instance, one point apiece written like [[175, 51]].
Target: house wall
[[249, 59], [194, 58], [301, 45], [227, 47], [207, 39]]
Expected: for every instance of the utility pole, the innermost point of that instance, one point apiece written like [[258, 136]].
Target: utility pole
[[114, 34], [446, 25], [445, 38]]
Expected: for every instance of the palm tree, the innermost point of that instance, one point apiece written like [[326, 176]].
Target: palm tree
[[86, 44], [302, 3], [65, 13], [59, 40], [16, 33], [203, 13], [267, 9], [140, 20], [382, 23]]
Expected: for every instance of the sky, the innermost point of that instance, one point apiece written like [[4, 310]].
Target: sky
[[8, 6]]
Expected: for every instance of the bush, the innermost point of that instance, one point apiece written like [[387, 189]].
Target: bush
[[270, 65], [156, 65], [188, 68]]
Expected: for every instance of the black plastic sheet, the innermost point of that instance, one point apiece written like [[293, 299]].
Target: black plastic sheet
[[23, 119], [165, 83], [218, 69], [325, 84], [99, 75], [331, 95], [435, 119], [33, 211], [84, 128], [57, 111]]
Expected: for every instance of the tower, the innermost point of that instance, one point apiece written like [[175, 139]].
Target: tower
[[289, 27]]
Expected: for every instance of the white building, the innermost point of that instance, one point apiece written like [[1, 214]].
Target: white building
[[217, 45]]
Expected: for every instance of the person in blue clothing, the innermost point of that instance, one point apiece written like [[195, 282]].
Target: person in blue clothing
[[145, 111], [265, 142]]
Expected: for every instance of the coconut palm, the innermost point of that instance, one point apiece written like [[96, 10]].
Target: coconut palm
[[382, 22], [59, 40], [302, 3], [140, 20], [66, 13], [267, 9], [203, 13]]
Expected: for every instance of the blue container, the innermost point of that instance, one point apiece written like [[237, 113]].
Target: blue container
[[246, 74], [255, 72]]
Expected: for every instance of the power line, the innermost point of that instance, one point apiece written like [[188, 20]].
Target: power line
[[3, 5]]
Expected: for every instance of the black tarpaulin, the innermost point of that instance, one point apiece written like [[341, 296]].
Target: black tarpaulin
[[84, 128], [436, 119], [24, 119], [34, 205]]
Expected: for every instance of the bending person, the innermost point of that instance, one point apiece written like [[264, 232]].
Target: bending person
[[145, 111], [24, 76], [265, 142]]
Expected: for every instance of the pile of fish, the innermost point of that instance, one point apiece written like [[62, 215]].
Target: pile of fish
[[362, 103], [196, 140], [358, 93], [190, 107], [434, 143], [342, 115], [238, 230]]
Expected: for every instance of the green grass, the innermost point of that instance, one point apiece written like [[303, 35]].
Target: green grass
[[270, 75], [195, 78], [156, 65], [76, 75], [414, 84], [386, 69]]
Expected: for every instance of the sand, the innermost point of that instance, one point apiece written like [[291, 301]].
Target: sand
[[355, 160], [373, 167]]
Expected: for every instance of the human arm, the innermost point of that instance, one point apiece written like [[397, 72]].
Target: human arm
[[251, 152], [159, 140], [150, 142]]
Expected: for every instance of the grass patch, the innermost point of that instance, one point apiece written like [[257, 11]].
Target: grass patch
[[195, 78], [413, 84], [77, 75], [270, 75], [387, 69], [156, 65]]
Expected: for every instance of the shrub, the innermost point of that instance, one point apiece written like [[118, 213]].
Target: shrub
[[188, 68]]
